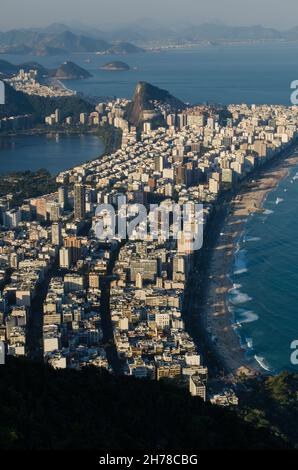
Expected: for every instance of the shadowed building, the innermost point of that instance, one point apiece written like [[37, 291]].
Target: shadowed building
[[79, 202]]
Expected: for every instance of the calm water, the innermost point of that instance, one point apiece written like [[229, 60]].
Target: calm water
[[225, 74], [52, 151], [264, 300]]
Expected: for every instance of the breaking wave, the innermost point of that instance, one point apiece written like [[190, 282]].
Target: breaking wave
[[251, 239], [238, 297], [263, 363], [235, 287], [240, 264], [247, 316], [240, 271]]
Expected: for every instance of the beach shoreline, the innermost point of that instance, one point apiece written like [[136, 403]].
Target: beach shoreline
[[216, 318]]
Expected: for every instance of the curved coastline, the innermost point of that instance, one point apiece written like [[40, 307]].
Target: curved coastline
[[217, 317]]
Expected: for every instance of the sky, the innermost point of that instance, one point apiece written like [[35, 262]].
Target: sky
[[105, 13]]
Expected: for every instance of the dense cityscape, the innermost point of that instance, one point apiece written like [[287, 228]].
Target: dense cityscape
[[57, 272]]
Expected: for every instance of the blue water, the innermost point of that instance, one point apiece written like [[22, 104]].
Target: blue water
[[265, 275], [259, 73], [52, 151]]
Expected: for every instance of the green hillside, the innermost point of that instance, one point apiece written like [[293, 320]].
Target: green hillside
[[18, 103]]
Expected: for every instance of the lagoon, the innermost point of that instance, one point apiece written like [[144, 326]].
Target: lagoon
[[54, 152]]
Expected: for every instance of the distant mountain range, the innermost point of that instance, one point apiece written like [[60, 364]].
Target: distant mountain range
[[27, 41], [62, 39], [147, 32]]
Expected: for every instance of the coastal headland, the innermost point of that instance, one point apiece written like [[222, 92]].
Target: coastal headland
[[229, 225]]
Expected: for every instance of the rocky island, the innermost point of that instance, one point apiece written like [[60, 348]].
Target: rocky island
[[116, 66]]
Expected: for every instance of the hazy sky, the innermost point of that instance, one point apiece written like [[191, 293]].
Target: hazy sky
[[26, 13]]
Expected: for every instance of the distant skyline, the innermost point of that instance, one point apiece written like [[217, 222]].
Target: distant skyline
[[108, 13]]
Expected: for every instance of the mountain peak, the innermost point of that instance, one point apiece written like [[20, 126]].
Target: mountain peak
[[147, 102]]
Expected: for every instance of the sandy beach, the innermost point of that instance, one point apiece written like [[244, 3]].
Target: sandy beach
[[216, 317]]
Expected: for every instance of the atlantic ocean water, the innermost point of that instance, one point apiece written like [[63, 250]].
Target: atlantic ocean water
[[263, 300]]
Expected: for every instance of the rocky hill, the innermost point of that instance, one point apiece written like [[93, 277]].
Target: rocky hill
[[7, 69], [71, 71], [146, 104], [67, 70]]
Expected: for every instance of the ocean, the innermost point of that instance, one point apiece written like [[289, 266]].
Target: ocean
[[255, 73], [265, 276]]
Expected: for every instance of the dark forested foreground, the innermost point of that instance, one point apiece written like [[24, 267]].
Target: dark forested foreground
[[43, 408]]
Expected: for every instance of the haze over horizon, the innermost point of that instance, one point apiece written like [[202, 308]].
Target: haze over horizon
[[107, 14]]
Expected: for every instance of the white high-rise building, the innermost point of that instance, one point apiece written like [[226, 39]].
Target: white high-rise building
[[64, 258]]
